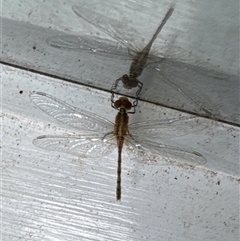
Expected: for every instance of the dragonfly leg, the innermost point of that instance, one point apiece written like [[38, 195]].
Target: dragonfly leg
[[129, 134], [135, 103], [115, 84], [107, 134], [140, 85], [114, 87], [112, 101]]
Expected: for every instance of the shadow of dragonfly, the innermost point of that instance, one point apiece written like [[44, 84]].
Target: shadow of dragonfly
[[111, 27]]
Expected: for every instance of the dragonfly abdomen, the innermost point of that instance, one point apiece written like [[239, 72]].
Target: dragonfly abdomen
[[120, 131], [138, 64]]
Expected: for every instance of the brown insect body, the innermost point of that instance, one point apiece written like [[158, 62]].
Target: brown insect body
[[121, 131]]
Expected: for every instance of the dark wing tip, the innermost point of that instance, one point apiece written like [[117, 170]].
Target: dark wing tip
[[40, 137], [34, 93]]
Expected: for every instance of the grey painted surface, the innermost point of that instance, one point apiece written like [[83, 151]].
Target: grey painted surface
[[211, 82]]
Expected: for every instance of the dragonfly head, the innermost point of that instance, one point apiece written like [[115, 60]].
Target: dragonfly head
[[123, 103]]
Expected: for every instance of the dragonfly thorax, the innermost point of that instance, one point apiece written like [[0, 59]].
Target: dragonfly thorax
[[129, 81]]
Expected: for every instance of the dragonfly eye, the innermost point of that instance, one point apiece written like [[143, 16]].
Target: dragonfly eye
[[127, 105], [117, 103]]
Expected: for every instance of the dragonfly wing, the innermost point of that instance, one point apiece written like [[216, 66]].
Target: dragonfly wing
[[69, 42], [165, 129], [76, 43], [72, 116], [176, 154], [187, 91], [107, 25], [82, 146], [171, 154]]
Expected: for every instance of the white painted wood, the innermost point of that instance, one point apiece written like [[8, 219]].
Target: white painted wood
[[55, 196]]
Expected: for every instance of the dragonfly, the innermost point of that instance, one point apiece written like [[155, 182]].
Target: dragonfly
[[98, 136], [111, 28]]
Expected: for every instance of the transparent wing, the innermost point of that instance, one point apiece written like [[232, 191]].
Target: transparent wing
[[107, 25], [82, 146], [149, 151], [77, 43], [179, 80], [71, 116], [165, 129]]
